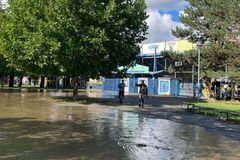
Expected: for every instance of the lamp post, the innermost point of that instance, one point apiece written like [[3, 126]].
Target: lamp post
[[198, 83], [155, 60], [165, 66]]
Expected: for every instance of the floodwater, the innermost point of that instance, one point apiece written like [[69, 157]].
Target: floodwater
[[32, 127]]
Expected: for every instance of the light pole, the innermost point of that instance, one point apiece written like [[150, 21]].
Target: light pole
[[198, 83], [155, 60], [194, 95], [165, 66]]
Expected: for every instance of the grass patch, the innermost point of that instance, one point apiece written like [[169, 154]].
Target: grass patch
[[218, 106]]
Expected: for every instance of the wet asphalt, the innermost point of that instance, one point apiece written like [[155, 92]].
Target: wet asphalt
[[35, 127]]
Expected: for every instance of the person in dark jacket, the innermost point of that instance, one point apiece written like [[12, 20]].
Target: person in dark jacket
[[121, 88]]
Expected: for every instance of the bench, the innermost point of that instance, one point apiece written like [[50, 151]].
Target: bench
[[227, 113], [191, 107], [202, 109]]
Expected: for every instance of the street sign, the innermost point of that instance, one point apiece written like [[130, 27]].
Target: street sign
[[178, 63]]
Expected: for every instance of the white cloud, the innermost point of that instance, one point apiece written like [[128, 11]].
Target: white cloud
[[166, 5], [160, 26], [4, 3]]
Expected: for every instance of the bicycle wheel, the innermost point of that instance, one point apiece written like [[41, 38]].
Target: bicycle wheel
[[121, 99]]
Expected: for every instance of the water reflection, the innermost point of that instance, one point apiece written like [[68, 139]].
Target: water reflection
[[31, 127]]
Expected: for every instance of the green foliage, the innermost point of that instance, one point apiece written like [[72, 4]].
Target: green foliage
[[188, 59], [220, 105], [97, 36], [215, 24], [27, 45], [3, 66], [84, 38], [3, 63]]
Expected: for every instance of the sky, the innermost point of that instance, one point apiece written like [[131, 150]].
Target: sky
[[163, 16]]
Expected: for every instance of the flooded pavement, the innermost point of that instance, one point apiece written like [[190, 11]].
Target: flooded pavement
[[32, 127]]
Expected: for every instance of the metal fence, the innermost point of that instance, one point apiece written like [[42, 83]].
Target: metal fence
[[132, 86], [153, 86], [110, 85], [176, 89]]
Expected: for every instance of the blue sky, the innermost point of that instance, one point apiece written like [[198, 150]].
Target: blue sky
[[163, 16], [173, 13]]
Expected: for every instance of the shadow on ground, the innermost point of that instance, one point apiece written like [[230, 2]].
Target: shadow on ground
[[168, 108]]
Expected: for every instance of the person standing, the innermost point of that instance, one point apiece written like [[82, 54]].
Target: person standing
[[121, 88], [143, 91]]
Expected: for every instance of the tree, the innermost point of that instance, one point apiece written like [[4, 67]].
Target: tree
[[187, 59], [3, 63], [97, 35], [86, 38], [213, 23], [27, 45]]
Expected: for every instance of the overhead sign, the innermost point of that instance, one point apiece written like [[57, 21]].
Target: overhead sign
[[136, 69], [149, 48], [184, 45], [153, 47], [178, 63], [171, 46]]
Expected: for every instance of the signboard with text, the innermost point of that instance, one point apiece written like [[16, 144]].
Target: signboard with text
[[149, 49], [164, 87]]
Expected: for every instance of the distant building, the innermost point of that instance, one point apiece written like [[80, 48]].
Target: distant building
[[151, 57], [148, 49]]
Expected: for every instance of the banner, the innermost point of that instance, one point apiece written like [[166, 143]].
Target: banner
[[184, 45]]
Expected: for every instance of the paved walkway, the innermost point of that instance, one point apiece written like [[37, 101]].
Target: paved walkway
[[169, 108], [104, 129]]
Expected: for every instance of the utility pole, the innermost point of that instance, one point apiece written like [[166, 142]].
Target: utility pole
[[155, 60], [199, 57], [193, 80], [165, 67], [226, 70]]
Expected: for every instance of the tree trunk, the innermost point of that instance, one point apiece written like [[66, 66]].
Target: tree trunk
[[20, 81], [49, 82], [2, 81], [56, 82], [75, 87], [11, 81], [35, 81], [42, 82], [67, 82], [29, 80]]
